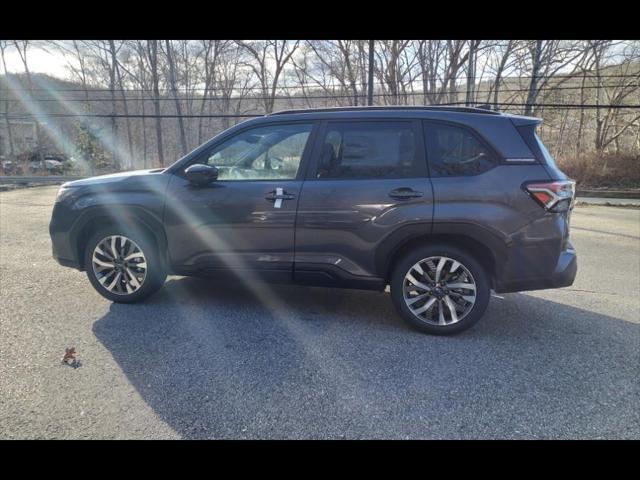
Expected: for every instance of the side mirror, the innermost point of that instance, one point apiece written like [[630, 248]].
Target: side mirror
[[200, 174]]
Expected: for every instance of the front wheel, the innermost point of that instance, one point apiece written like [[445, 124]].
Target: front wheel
[[123, 267], [440, 290]]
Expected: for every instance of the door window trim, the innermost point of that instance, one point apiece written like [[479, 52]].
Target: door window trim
[[418, 134], [304, 159]]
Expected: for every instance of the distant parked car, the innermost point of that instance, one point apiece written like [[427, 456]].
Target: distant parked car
[[49, 165], [10, 167]]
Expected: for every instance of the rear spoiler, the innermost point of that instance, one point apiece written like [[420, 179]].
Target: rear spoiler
[[520, 121]]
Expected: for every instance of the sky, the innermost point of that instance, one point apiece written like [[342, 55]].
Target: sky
[[40, 61]]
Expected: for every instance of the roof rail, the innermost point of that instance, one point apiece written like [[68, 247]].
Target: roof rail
[[431, 108]]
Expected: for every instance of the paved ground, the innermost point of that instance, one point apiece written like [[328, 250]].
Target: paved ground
[[210, 361]]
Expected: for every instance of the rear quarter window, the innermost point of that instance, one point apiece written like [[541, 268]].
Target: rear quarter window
[[456, 151]]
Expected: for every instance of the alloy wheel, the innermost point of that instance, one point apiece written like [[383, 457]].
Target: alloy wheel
[[119, 264], [439, 290]]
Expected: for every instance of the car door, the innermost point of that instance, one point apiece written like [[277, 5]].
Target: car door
[[245, 219], [368, 181]]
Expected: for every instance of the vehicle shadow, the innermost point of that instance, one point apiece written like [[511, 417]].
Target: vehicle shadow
[[222, 361]]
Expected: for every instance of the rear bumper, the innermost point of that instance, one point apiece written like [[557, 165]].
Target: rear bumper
[[563, 276]]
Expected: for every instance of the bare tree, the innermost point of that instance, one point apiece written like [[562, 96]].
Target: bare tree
[[471, 71], [174, 91], [546, 59], [22, 47], [269, 59], [3, 46], [136, 69], [151, 58], [338, 64], [501, 58], [440, 63], [211, 53], [610, 125], [587, 62], [430, 58], [234, 83], [121, 86], [106, 57], [393, 69]]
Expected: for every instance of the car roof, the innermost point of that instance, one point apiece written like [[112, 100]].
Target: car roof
[[434, 112], [391, 108]]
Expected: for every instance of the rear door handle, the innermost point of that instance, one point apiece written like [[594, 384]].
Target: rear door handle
[[405, 193]]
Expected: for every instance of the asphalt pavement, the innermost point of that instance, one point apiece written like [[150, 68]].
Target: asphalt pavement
[[205, 360]]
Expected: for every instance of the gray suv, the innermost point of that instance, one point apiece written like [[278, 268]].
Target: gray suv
[[442, 204]]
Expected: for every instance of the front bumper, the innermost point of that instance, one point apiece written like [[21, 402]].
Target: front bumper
[[65, 262], [62, 245], [563, 276]]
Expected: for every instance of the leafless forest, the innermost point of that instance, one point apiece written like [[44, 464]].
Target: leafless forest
[[140, 104]]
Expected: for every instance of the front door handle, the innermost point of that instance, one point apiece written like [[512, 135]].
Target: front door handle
[[278, 195], [404, 193]]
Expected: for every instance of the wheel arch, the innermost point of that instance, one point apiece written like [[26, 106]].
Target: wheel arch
[[483, 245], [127, 217]]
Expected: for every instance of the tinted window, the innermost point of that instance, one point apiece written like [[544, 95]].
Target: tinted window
[[456, 151], [369, 150], [264, 153]]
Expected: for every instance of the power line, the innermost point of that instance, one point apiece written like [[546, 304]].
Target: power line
[[105, 115], [122, 115], [304, 97], [551, 105], [279, 97], [333, 85]]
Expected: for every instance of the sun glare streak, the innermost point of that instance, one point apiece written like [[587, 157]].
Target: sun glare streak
[[229, 258], [61, 141], [106, 138], [261, 289], [315, 348]]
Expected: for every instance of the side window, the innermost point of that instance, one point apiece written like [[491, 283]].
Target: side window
[[370, 150], [455, 151], [264, 153]]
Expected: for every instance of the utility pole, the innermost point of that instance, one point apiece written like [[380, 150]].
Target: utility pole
[[471, 74], [370, 83]]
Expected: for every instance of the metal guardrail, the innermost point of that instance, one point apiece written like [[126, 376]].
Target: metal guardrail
[[26, 179], [632, 194]]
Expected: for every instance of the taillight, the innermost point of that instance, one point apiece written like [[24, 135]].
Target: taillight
[[554, 196]]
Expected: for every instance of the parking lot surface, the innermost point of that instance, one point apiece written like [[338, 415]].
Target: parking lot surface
[[209, 360]]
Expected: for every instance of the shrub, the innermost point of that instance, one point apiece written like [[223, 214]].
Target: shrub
[[606, 170]]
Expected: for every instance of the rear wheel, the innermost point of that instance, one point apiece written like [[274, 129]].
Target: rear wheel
[[440, 290], [123, 266]]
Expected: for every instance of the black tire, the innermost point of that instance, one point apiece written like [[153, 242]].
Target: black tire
[[483, 288], [155, 274]]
